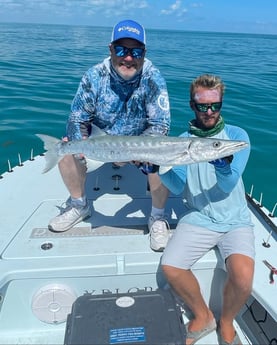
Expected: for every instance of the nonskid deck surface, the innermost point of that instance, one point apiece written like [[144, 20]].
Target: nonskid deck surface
[[120, 204], [43, 272], [109, 252]]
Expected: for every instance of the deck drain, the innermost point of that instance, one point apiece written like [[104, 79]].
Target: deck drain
[[46, 246]]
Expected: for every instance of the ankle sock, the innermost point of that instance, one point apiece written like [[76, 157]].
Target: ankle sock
[[79, 202], [157, 213]]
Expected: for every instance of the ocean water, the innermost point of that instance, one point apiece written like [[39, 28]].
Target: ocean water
[[41, 66]]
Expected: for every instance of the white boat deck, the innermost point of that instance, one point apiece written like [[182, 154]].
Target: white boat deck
[[43, 272]]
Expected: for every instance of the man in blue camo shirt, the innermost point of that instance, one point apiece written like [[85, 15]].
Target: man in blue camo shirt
[[123, 95]]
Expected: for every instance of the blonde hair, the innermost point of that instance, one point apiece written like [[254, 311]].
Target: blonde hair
[[207, 81]]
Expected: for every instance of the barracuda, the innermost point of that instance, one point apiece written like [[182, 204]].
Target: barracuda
[[164, 151]]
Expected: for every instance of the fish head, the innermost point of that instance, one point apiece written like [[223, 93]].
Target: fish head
[[209, 149]]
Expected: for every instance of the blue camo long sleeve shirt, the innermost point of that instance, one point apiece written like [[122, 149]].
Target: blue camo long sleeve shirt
[[214, 198], [136, 107]]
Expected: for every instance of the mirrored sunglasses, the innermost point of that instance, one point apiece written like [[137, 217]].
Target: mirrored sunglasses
[[204, 107], [136, 53]]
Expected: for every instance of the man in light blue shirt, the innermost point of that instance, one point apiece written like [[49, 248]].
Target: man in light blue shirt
[[123, 95], [215, 213]]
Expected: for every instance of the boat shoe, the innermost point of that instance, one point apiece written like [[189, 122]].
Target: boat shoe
[[197, 335]]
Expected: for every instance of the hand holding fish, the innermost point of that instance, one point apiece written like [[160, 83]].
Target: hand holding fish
[[222, 162]]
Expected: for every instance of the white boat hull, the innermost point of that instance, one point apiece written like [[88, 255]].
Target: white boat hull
[[42, 273]]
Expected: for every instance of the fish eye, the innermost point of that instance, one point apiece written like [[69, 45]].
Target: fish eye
[[216, 144]]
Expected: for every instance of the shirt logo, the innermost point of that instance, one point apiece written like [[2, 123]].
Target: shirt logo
[[163, 101]]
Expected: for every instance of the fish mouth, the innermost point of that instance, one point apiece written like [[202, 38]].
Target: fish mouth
[[241, 144], [234, 147]]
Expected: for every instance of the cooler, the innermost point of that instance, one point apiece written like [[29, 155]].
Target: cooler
[[133, 318]]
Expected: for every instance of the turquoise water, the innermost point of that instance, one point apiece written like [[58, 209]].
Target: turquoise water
[[41, 66]]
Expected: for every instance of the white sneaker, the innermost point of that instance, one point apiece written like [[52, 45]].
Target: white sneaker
[[159, 233], [70, 216]]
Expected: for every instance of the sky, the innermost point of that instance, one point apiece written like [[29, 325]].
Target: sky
[[241, 16]]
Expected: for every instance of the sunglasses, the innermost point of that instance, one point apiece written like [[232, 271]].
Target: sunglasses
[[204, 107], [136, 53]]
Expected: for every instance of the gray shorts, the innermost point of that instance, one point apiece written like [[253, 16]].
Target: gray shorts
[[189, 243]]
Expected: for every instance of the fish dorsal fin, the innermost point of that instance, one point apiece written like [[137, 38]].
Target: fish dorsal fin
[[96, 131]]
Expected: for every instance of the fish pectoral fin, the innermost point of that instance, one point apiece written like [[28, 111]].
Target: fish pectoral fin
[[93, 165], [164, 169], [96, 131]]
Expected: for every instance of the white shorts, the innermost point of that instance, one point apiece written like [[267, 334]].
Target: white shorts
[[189, 243]]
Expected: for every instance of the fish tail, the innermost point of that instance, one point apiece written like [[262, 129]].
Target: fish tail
[[51, 155]]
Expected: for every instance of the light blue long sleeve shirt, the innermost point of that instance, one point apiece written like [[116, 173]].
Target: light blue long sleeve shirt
[[214, 198], [134, 107]]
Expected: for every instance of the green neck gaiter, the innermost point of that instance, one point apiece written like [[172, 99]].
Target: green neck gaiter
[[193, 129]]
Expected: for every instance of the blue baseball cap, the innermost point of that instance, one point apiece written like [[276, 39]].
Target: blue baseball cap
[[129, 29]]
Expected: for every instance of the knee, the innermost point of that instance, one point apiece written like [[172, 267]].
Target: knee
[[241, 276], [66, 161], [242, 284], [70, 162], [171, 273]]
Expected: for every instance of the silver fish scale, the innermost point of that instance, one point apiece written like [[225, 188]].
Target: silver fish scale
[[160, 150], [157, 150]]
